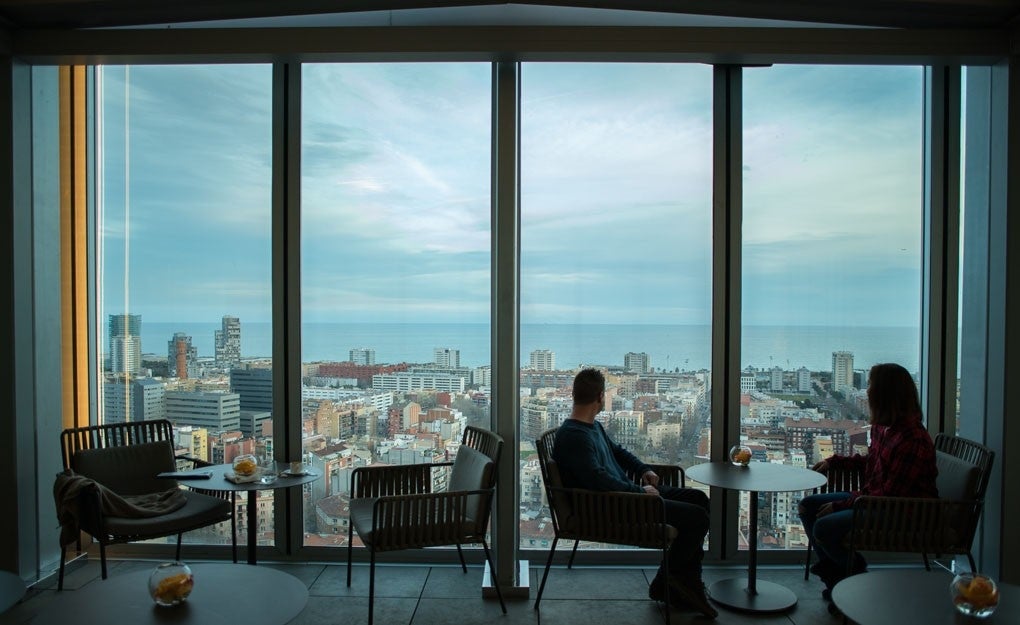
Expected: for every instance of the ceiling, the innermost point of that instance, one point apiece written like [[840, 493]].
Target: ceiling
[[923, 14]]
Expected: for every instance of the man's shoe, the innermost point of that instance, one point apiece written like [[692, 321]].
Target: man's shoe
[[691, 592]]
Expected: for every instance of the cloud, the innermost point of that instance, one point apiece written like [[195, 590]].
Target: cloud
[[616, 191]]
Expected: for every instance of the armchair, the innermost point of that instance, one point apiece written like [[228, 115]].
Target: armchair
[[609, 517], [942, 526], [393, 507], [118, 461]]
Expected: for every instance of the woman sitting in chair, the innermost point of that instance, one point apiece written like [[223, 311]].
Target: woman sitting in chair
[[900, 463]]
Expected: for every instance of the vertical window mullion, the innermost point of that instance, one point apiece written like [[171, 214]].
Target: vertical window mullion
[[286, 277], [941, 225], [726, 293], [506, 310]]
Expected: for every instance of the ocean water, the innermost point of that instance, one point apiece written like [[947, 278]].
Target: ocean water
[[687, 347]]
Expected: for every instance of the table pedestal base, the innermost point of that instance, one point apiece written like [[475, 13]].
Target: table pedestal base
[[770, 597]]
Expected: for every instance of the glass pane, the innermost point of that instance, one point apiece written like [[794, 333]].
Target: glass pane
[[616, 257], [831, 262], [395, 271], [184, 279]]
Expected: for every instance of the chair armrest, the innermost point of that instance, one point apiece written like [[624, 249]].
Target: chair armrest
[[196, 462], [842, 479], [613, 517], [400, 479], [669, 475], [429, 519]]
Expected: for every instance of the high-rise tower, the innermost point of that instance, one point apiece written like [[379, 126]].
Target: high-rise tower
[[634, 362], [125, 334], [182, 357], [363, 356], [842, 371], [543, 360], [446, 357], [228, 342]]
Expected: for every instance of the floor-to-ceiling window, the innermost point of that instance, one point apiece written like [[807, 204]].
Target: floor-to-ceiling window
[[616, 258], [831, 260], [183, 258], [395, 271]]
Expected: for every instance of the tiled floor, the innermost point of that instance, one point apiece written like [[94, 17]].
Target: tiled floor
[[426, 595]]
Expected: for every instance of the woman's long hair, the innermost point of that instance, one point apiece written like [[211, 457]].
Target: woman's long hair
[[892, 394]]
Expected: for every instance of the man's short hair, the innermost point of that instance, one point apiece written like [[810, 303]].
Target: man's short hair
[[589, 384]]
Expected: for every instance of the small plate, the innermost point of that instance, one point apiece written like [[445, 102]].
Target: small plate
[[289, 473]]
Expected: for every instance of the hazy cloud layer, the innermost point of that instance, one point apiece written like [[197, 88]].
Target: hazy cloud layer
[[616, 193]]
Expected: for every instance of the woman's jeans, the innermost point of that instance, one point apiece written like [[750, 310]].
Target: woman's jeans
[[829, 532]]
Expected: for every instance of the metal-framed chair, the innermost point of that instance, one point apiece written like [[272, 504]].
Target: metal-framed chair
[[633, 519], [394, 507], [125, 458], [939, 526]]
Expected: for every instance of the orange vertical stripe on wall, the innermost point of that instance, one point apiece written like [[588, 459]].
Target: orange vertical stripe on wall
[[73, 247]]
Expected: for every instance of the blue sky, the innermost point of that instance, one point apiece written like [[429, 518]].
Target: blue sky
[[616, 193]]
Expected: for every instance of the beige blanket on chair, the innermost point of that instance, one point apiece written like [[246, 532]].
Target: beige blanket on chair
[[69, 486]]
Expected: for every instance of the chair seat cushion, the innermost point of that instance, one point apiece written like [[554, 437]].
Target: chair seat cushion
[[200, 510], [396, 537]]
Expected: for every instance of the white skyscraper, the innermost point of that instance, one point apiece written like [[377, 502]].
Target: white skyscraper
[[446, 357], [842, 371], [635, 362], [543, 360], [125, 343], [363, 356], [804, 380], [126, 354], [776, 379]]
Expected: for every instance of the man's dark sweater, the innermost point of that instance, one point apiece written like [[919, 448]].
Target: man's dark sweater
[[587, 458]]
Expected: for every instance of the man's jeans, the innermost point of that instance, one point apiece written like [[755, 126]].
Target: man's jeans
[[686, 509]]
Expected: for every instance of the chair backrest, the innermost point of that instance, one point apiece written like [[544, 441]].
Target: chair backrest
[[124, 457], [475, 468], [559, 503], [964, 470], [971, 452]]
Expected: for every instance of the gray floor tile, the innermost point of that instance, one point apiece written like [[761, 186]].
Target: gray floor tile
[[448, 582], [591, 583], [390, 581], [422, 595], [333, 610], [307, 573], [813, 612], [590, 611], [433, 611], [27, 608]]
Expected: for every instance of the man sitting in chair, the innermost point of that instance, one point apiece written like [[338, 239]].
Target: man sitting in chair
[[589, 459]]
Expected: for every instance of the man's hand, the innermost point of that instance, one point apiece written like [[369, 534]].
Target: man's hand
[[824, 510], [650, 490], [650, 478]]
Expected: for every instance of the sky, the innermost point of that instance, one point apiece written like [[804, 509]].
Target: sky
[[616, 193]]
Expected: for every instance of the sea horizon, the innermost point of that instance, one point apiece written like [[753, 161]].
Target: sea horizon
[[669, 346]]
